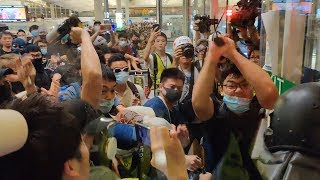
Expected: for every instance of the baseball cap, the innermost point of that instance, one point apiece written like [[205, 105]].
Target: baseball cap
[[181, 40]]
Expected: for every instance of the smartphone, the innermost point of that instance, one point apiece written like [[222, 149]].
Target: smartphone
[[143, 133], [156, 27]]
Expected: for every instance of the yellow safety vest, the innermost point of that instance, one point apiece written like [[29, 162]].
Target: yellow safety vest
[[159, 67]]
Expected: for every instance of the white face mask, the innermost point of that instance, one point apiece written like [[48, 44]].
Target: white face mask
[[96, 28], [122, 43]]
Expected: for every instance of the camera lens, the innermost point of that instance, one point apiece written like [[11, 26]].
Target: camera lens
[[188, 51]]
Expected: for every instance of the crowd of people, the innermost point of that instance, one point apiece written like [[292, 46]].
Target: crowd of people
[[86, 119]]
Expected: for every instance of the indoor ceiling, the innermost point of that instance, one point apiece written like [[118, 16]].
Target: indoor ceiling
[[76, 5], [88, 5]]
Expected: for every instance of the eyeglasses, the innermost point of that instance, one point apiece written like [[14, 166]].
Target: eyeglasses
[[117, 70], [234, 86]]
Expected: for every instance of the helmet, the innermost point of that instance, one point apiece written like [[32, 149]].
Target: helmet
[[295, 122]]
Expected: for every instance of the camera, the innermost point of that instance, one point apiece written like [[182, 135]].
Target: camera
[[247, 13], [205, 22], [64, 28], [187, 50]]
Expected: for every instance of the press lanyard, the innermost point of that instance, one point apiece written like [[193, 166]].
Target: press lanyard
[[166, 107], [166, 66]]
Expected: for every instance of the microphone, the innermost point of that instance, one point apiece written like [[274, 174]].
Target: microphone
[[13, 131]]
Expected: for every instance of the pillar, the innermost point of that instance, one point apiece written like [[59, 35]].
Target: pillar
[[98, 10]]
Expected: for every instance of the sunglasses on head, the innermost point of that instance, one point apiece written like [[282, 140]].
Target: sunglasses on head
[[117, 70]]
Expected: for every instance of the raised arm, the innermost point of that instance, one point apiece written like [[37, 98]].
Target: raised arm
[[112, 39], [147, 50], [203, 88], [261, 82], [90, 67], [95, 35]]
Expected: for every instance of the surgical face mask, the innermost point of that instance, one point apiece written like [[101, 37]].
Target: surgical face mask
[[236, 104], [122, 43], [172, 95], [35, 33], [96, 28], [44, 51], [106, 105], [122, 77]]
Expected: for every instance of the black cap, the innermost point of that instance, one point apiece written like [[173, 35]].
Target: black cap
[[5, 71]]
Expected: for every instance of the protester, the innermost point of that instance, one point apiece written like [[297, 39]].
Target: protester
[[49, 129], [127, 92], [6, 42], [234, 122], [42, 77]]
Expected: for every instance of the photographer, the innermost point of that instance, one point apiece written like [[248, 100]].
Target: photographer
[[201, 27], [231, 125]]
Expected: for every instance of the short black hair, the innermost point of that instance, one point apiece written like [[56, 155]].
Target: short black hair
[[227, 69], [102, 50], [21, 30], [115, 58], [97, 22], [164, 35], [109, 50], [122, 35], [107, 73], [172, 73], [32, 48], [33, 27], [53, 138], [5, 33], [83, 112]]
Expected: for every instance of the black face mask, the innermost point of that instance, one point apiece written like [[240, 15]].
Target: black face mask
[[5, 93], [37, 63], [172, 95]]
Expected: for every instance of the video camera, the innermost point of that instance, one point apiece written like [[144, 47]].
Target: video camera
[[246, 14], [64, 28], [205, 22]]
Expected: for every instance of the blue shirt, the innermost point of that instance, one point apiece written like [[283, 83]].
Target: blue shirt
[[159, 107]]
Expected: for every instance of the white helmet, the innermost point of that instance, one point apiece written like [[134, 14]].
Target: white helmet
[[181, 40]]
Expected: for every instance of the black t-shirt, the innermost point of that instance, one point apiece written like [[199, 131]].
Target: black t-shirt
[[223, 122], [2, 52]]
